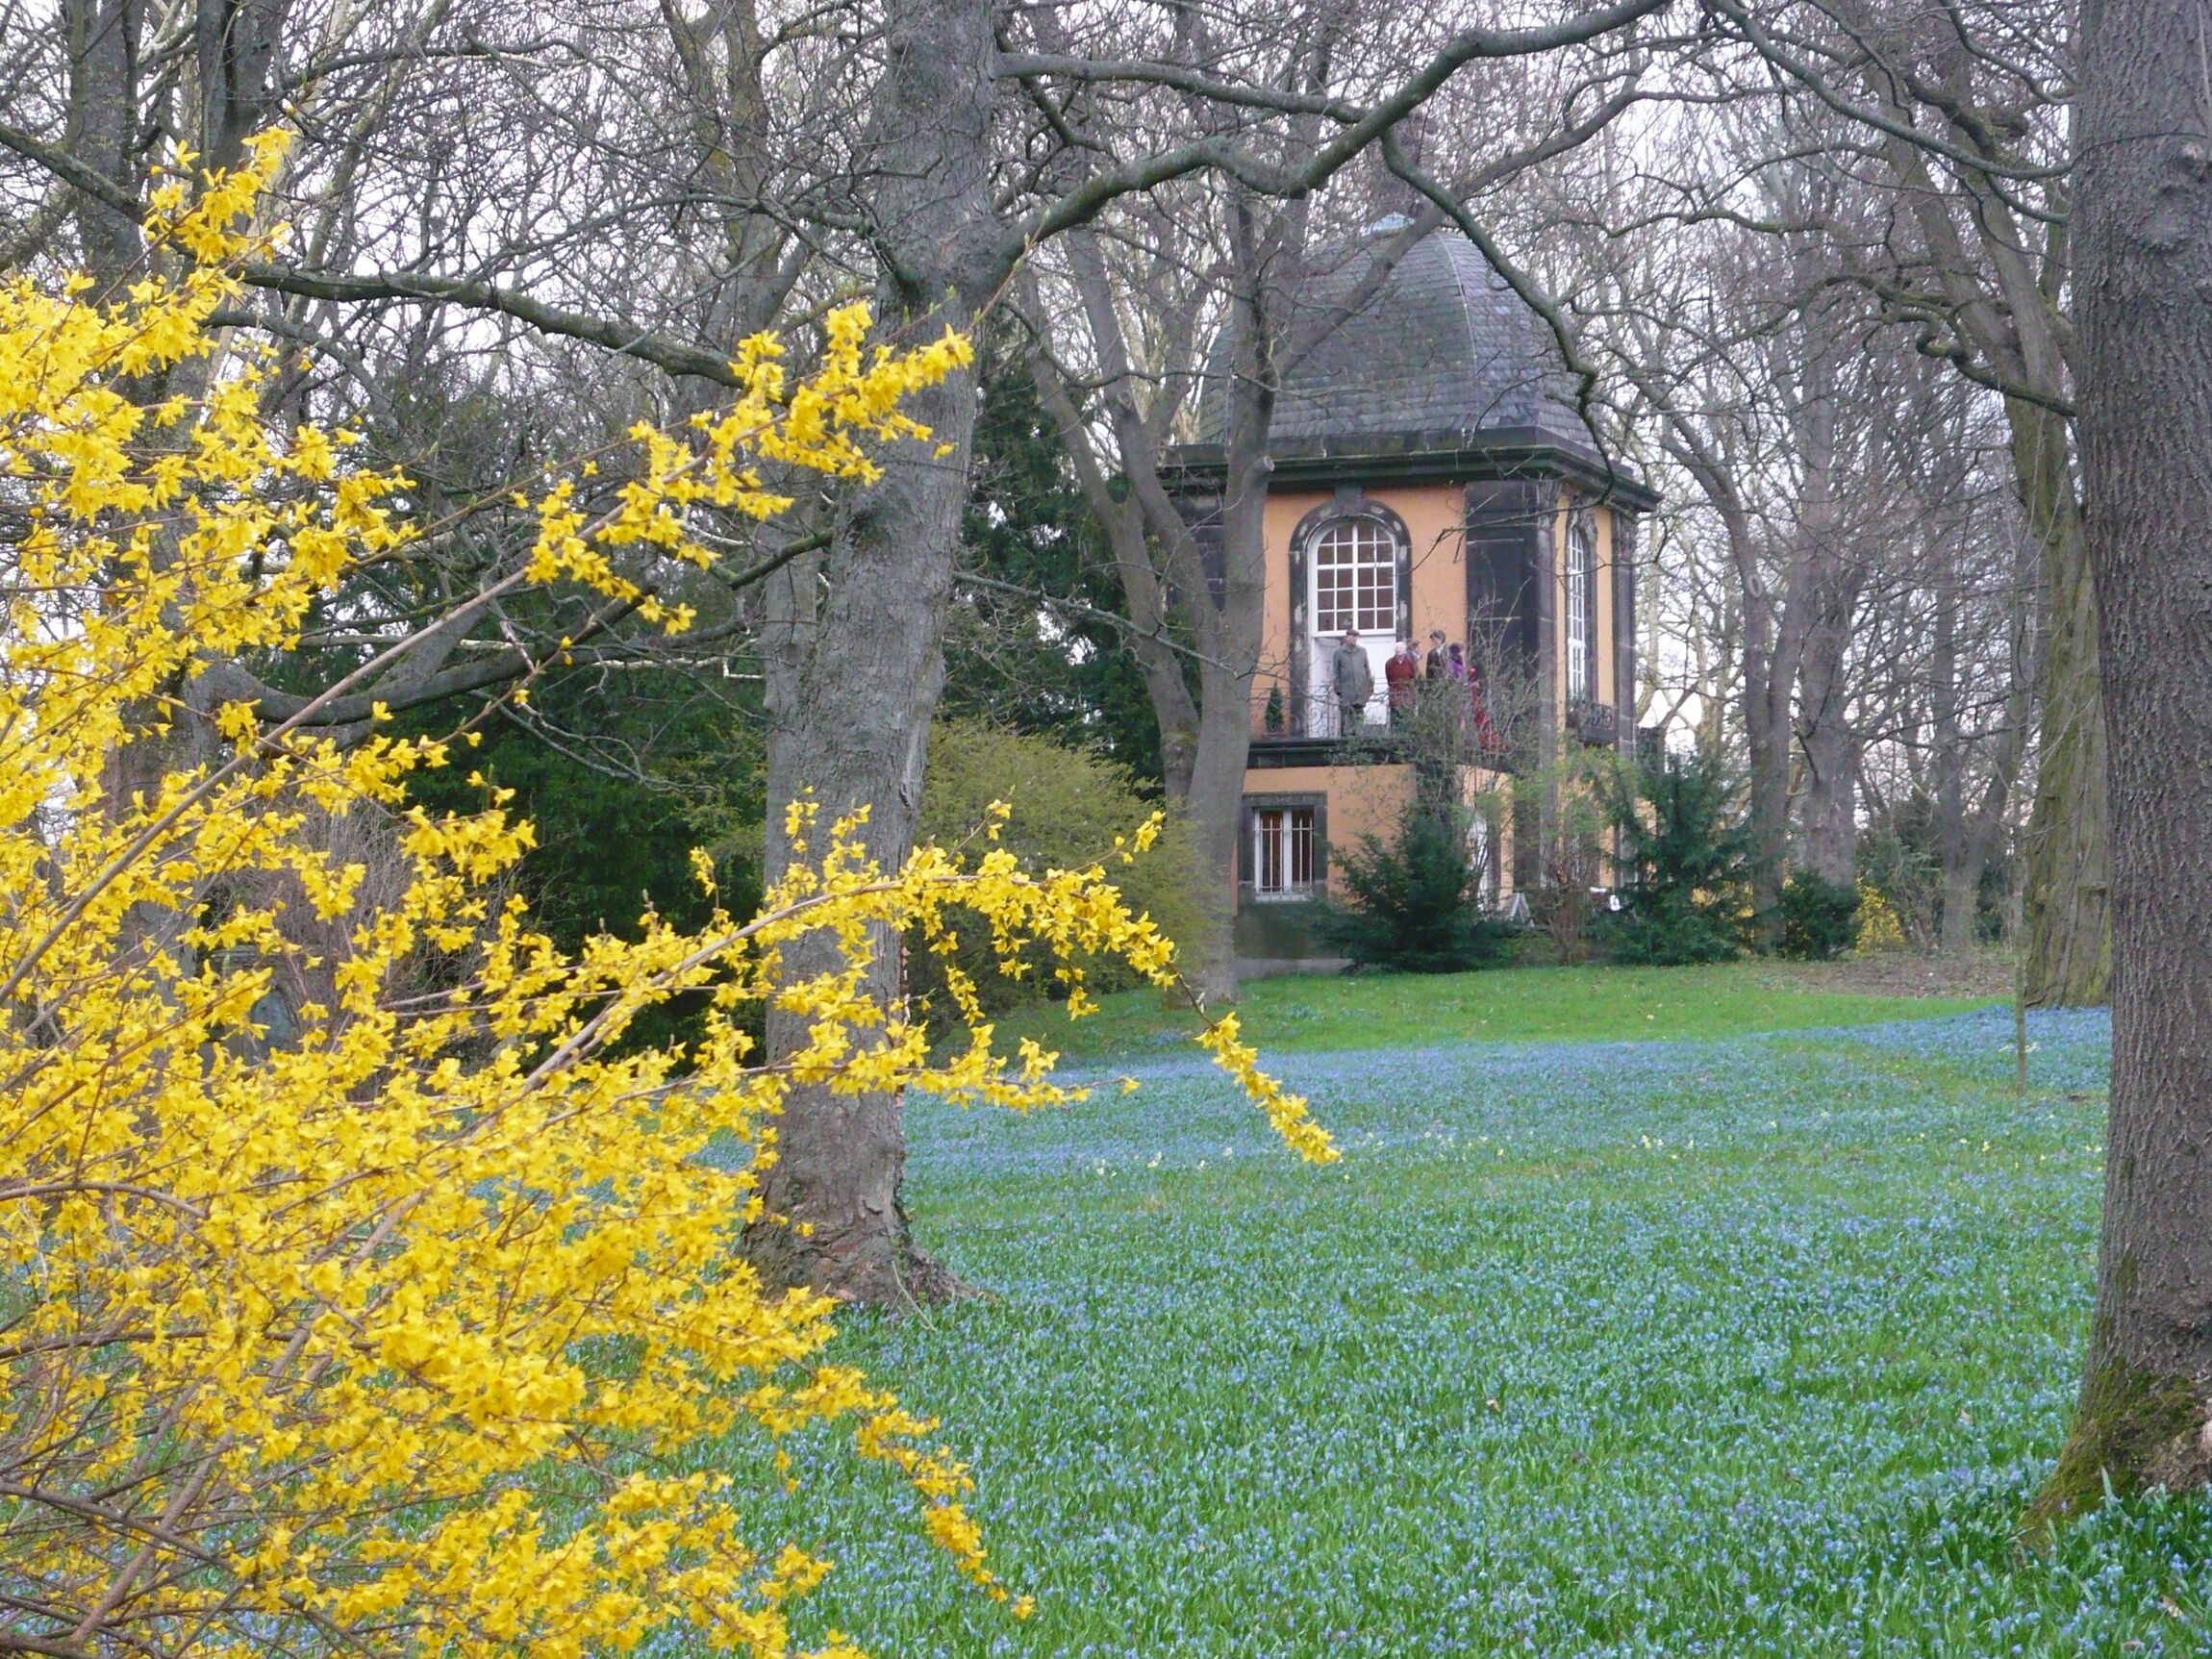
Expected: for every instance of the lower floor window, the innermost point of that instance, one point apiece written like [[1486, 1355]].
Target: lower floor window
[[1282, 851]]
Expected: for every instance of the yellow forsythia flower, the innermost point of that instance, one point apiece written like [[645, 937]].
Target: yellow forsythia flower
[[363, 1286]]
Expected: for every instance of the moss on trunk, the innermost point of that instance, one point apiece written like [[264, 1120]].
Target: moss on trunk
[[2132, 1428]]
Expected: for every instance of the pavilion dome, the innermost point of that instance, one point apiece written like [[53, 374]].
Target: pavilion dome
[[1441, 355]]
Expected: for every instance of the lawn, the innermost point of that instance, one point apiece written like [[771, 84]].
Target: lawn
[[1740, 1345], [1304, 1014]]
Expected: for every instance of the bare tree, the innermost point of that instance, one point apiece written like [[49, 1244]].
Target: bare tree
[[1960, 119], [630, 183]]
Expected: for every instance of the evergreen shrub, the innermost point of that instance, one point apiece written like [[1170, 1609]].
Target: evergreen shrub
[[1820, 917], [1683, 838], [1414, 906]]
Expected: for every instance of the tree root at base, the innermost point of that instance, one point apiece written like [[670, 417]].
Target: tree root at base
[[886, 1273], [2134, 1430]]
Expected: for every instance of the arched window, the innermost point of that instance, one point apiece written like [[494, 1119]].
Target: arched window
[[1354, 562], [1348, 571]]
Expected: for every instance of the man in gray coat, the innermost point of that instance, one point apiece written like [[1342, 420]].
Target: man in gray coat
[[1353, 681]]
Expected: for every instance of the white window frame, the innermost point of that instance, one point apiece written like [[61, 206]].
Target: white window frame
[[1372, 553], [1579, 609], [1283, 849], [1375, 549]]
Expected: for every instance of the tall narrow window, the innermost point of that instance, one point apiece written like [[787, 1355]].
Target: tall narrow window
[[1581, 609], [1355, 578], [1282, 852]]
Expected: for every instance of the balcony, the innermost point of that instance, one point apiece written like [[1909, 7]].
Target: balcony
[[1598, 724], [1375, 746]]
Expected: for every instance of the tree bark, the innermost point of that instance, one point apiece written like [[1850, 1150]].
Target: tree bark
[[853, 647], [1830, 810], [104, 49], [1824, 593], [1225, 677], [1829, 813], [2144, 237], [2067, 907]]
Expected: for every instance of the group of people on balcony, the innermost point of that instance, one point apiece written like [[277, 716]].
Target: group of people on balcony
[[1408, 676]]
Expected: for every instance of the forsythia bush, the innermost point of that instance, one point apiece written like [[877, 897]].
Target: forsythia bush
[[390, 1330], [1878, 928]]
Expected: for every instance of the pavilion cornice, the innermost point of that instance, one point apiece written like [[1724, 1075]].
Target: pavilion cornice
[[1427, 458]]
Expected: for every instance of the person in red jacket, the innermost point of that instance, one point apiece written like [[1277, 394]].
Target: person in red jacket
[[1400, 674]]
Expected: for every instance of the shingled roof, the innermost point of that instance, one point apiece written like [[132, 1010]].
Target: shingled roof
[[1443, 353]]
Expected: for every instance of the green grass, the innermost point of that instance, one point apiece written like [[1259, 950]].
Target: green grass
[[1308, 1014], [1730, 1347]]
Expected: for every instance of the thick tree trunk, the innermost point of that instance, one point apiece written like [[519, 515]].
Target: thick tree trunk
[[1214, 803], [854, 664], [1767, 736], [1830, 747], [2144, 220], [2069, 946], [1225, 710], [104, 45], [1813, 642], [854, 676], [1229, 627], [1832, 829]]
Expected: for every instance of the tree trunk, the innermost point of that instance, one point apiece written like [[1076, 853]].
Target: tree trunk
[[1225, 701], [855, 670], [1216, 796], [1955, 929], [1813, 642], [2143, 217], [854, 664], [1122, 521], [1832, 829], [1824, 735], [104, 45], [1767, 736], [2069, 950], [1229, 626]]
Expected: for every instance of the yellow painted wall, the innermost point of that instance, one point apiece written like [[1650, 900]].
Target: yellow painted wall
[[1435, 519], [1362, 800], [1284, 511]]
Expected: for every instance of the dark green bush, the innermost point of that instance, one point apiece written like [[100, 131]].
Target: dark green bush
[[1820, 917], [1413, 906], [1687, 896]]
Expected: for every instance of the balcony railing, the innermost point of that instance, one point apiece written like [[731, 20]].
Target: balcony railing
[[1595, 723]]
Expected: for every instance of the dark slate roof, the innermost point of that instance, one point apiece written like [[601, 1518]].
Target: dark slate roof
[[1442, 349]]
